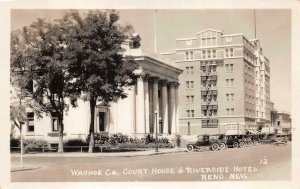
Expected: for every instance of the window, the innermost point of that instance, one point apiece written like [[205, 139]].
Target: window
[[231, 82], [188, 99], [30, 122], [189, 55], [227, 67], [230, 97], [228, 40], [232, 111], [192, 98], [205, 113], [204, 54], [188, 113], [192, 84], [187, 70], [227, 82], [54, 121], [214, 53], [214, 68], [193, 113], [228, 53], [227, 111], [187, 84], [208, 54], [231, 52], [192, 70], [231, 67]]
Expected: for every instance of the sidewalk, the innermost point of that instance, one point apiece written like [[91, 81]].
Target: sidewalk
[[105, 154], [26, 167]]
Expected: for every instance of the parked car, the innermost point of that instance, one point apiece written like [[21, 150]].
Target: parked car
[[236, 141], [212, 142]]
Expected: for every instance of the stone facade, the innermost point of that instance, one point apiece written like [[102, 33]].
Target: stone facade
[[155, 91]]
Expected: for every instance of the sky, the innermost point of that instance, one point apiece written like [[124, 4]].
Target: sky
[[273, 28]]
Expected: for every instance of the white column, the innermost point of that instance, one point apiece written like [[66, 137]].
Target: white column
[[147, 110], [133, 108], [140, 127], [165, 107], [176, 109], [173, 107], [155, 103], [150, 85]]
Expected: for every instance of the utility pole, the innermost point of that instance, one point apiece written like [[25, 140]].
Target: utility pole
[[254, 24], [156, 138], [189, 128]]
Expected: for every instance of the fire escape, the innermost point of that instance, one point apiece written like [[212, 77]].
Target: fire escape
[[208, 93]]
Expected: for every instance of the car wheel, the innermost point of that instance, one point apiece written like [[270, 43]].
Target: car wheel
[[190, 148], [222, 146], [242, 144], [251, 143], [235, 145], [255, 143], [214, 147]]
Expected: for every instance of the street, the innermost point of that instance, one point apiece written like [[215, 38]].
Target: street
[[263, 162]]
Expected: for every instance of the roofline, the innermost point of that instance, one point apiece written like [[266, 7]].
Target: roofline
[[163, 64], [186, 39], [231, 35], [167, 53], [208, 30]]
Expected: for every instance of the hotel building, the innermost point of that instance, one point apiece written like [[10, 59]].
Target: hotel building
[[225, 86]]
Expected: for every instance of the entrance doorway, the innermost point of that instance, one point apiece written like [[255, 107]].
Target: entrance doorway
[[101, 121]]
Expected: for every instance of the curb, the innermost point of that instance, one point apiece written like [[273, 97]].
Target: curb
[[23, 169], [97, 154]]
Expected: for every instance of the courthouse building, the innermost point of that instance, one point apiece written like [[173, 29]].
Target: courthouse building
[[225, 86], [155, 92]]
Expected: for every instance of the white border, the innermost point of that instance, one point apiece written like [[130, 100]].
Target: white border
[[5, 7]]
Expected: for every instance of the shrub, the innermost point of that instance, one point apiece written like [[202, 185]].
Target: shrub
[[100, 139], [15, 142], [76, 142], [31, 144], [118, 138], [132, 145], [143, 145], [151, 139]]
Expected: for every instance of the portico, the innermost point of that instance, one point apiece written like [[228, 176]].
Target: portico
[[156, 89]]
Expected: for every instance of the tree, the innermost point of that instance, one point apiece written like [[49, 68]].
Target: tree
[[38, 57], [96, 61]]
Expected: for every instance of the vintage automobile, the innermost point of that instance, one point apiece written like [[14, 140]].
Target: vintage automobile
[[236, 141], [212, 142]]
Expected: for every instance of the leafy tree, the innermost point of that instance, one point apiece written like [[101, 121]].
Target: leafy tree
[[96, 61], [38, 55]]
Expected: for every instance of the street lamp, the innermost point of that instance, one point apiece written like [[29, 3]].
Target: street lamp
[[156, 143], [189, 128]]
